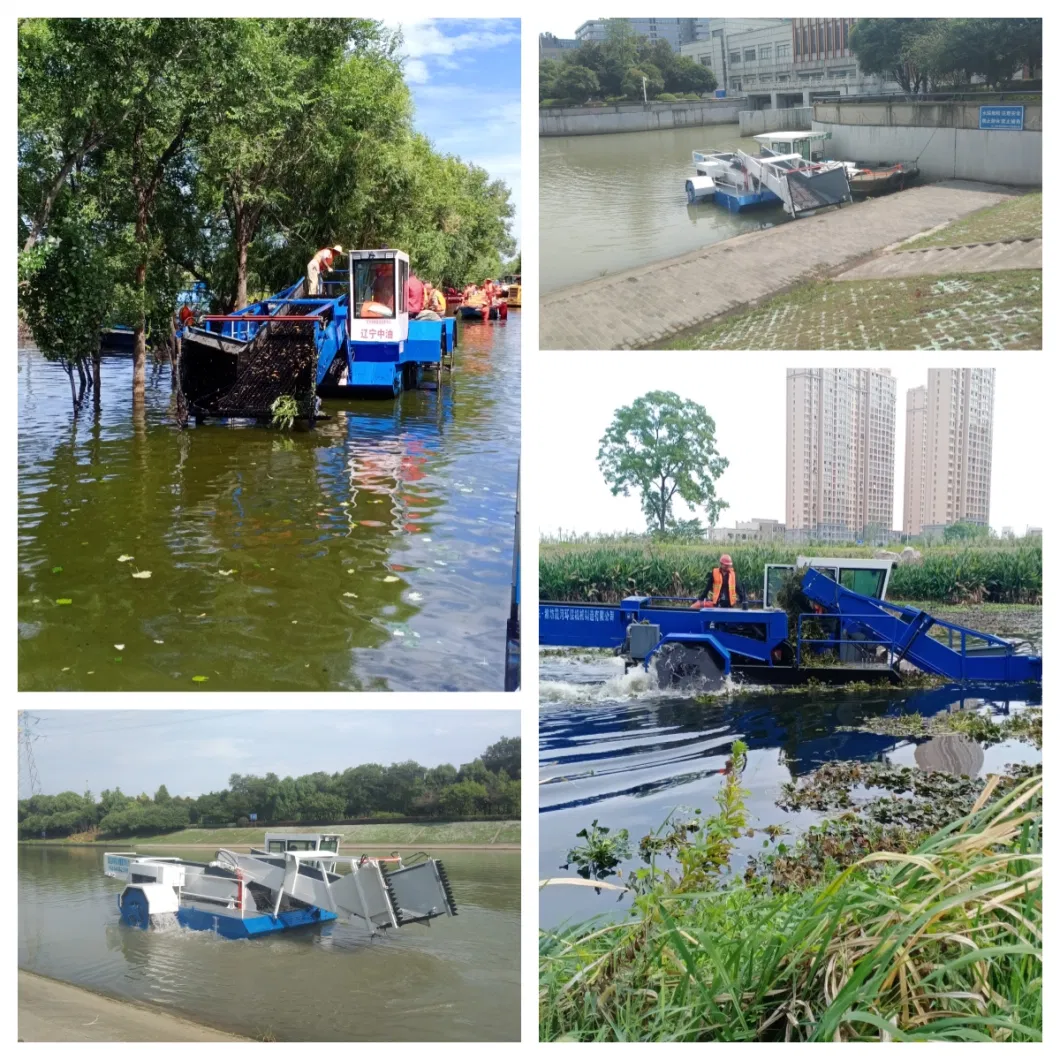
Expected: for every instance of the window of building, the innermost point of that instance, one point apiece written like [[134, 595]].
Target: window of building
[[748, 55], [830, 39], [716, 34], [783, 51], [704, 60], [782, 77], [734, 58], [765, 51], [736, 85], [749, 80]]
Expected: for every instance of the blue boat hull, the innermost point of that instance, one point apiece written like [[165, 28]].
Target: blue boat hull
[[231, 927], [735, 202]]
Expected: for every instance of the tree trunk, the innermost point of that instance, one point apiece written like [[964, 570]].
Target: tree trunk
[[97, 384], [69, 368], [140, 330], [241, 270]]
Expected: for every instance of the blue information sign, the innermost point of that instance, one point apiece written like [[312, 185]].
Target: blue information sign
[[1010, 118]]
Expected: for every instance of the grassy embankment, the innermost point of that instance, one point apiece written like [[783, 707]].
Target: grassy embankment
[[993, 310], [930, 937], [607, 571], [457, 833]]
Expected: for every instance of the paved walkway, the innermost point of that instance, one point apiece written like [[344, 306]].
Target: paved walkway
[[50, 1011], [647, 304], [942, 261]]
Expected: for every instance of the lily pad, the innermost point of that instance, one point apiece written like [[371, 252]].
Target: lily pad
[[57, 570], [64, 600], [142, 574], [124, 559], [200, 678]]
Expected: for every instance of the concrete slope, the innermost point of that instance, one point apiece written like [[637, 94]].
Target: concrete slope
[[942, 261], [646, 305]]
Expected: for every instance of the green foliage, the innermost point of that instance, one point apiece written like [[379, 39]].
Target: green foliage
[[609, 570], [284, 411], [488, 786], [578, 83], [68, 284], [601, 852], [617, 66], [944, 945], [229, 151], [662, 446], [924, 52]]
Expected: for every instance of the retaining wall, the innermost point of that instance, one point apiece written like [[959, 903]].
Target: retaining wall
[[763, 121], [637, 117], [944, 139]]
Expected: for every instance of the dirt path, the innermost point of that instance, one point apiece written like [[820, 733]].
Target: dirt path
[[647, 305], [51, 1011]]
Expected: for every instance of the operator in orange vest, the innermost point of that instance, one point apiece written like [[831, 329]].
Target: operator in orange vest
[[724, 590]]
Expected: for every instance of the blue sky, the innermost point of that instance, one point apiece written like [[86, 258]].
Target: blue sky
[[464, 74], [192, 751]]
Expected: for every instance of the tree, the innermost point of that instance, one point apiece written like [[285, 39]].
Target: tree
[[162, 796], [641, 79], [65, 293], [463, 799], [663, 447], [886, 46], [686, 75], [965, 531], [618, 54], [505, 755], [577, 83], [547, 72]]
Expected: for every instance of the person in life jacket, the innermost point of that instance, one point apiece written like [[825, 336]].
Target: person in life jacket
[[186, 316], [321, 261], [723, 590], [434, 303]]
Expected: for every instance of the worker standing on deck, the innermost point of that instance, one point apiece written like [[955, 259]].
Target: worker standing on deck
[[321, 262], [414, 295], [724, 590]]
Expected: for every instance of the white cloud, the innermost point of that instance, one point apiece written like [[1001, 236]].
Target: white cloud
[[426, 43]]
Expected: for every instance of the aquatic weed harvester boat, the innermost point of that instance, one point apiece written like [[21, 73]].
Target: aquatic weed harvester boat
[[850, 621], [355, 337], [294, 882]]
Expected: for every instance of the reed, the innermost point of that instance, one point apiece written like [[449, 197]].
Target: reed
[[940, 944], [607, 570]]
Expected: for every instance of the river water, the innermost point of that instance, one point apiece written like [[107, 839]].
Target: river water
[[373, 552], [457, 980], [616, 748], [614, 202]]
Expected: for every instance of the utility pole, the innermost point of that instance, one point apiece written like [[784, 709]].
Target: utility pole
[[27, 736], [644, 88]]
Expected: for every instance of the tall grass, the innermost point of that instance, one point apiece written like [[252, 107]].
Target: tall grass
[[941, 944], [608, 570]]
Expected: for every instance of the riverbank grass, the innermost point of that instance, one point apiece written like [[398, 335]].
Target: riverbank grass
[[1017, 218], [453, 833], [940, 944], [984, 311]]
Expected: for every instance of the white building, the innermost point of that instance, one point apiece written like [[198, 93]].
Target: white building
[[677, 31], [949, 453], [784, 62], [753, 530], [839, 475]]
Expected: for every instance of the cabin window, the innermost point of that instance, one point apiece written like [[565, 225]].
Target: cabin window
[[374, 288], [331, 844], [301, 844], [866, 582], [277, 846], [403, 286]]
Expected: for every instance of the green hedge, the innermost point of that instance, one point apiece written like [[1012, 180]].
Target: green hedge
[[608, 572]]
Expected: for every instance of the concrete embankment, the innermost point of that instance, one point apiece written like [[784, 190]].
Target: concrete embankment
[[51, 1011], [944, 138], [646, 305], [637, 117], [753, 122]]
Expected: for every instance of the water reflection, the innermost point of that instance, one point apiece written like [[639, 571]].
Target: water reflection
[[629, 763], [372, 552]]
